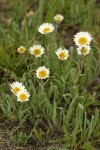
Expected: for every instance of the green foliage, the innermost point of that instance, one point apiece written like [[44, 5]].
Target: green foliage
[[64, 108], [20, 138], [87, 145]]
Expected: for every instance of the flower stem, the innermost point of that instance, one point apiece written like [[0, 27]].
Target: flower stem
[[81, 64], [48, 44]]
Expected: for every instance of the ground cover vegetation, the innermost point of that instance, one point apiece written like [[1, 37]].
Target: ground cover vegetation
[[49, 74]]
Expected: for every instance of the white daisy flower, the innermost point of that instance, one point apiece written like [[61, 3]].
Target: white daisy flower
[[58, 18], [82, 38], [42, 72], [23, 96], [16, 87], [83, 50], [46, 28], [36, 50], [21, 49], [62, 54]]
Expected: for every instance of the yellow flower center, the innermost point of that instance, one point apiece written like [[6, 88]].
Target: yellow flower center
[[84, 50], [46, 30], [16, 89], [23, 96], [37, 52], [62, 55], [82, 40], [21, 50], [58, 18], [42, 73]]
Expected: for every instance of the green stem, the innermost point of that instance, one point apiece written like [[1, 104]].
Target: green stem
[[81, 63], [48, 49], [63, 68], [56, 30], [41, 85]]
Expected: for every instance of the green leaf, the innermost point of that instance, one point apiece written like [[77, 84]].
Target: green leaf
[[70, 109], [41, 9], [87, 146], [38, 14], [61, 140], [52, 9], [75, 131]]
